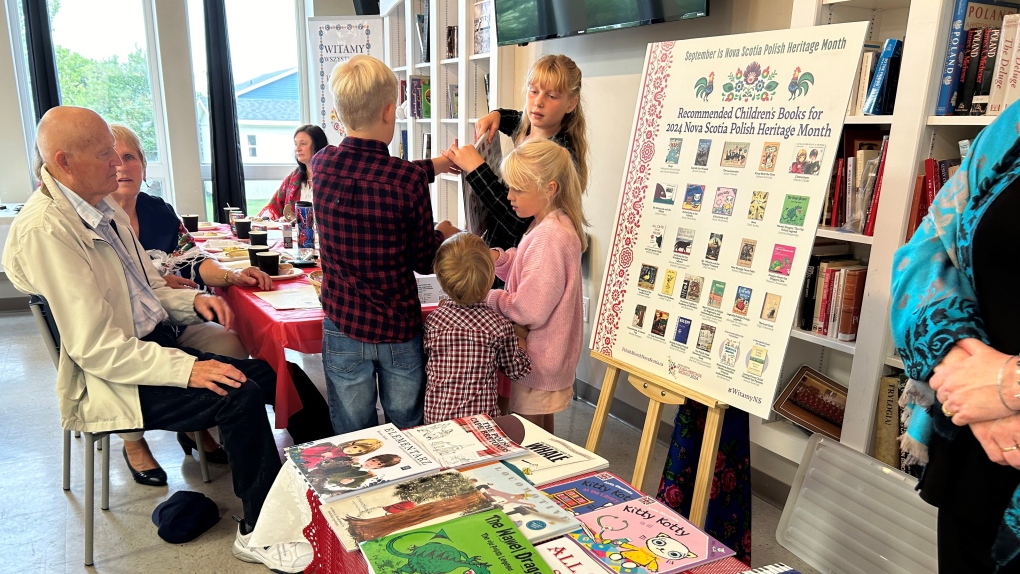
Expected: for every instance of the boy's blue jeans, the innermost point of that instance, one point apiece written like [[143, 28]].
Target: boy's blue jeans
[[351, 368]]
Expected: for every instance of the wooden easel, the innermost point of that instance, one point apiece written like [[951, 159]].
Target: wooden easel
[[659, 392]]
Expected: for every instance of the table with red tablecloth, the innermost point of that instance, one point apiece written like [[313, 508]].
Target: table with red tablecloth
[[266, 331]]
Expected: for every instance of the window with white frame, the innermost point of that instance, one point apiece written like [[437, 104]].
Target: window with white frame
[[268, 76]]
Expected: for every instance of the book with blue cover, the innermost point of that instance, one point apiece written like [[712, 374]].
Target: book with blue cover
[[951, 67], [587, 493], [882, 92]]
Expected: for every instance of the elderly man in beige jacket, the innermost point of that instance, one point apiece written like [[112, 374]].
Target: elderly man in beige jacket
[[119, 368]]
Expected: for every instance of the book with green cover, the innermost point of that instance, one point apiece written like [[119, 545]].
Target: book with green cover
[[794, 210], [426, 97], [487, 542]]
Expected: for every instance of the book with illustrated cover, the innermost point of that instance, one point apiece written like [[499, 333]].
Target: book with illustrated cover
[[691, 289], [664, 193], [565, 556], [693, 197], [465, 441], [714, 246], [420, 501], [756, 211], [552, 458], [742, 300], [725, 197], [673, 153], [474, 211], [701, 156], [639, 316], [669, 283], [646, 277], [482, 542], [757, 360], [745, 256], [359, 461], [683, 330], [769, 154], [770, 308], [734, 154], [659, 323], [587, 493], [794, 210], [538, 517], [426, 101], [782, 259], [657, 231], [646, 537], [452, 101], [483, 27], [808, 159], [684, 240], [715, 294], [705, 337], [729, 351]]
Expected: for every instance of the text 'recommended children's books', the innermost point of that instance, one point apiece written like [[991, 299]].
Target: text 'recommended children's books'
[[646, 537], [465, 441], [340, 466], [538, 517], [421, 501], [482, 542], [551, 458]]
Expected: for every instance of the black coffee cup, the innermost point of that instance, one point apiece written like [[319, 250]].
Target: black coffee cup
[[259, 237], [253, 252], [242, 228], [269, 262], [190, 223]]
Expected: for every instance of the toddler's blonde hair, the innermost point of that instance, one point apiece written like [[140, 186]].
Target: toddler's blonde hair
[[361, 88], [464, 268], [534, 164]]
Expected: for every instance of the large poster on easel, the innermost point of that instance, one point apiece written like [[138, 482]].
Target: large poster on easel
[[331, 41], [729, 160]]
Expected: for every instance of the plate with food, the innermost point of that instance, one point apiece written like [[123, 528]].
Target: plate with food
[[208, 226], [233, 253], [203, 235], [287, 272]]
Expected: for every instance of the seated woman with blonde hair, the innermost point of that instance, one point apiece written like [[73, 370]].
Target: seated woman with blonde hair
[[183, 267]]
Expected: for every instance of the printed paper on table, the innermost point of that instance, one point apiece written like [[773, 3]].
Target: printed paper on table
[[465, 441]]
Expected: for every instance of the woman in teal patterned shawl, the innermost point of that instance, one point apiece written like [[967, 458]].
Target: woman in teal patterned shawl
[[971, 396]]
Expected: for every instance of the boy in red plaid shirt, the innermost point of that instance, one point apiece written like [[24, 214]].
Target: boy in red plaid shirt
[[466, 342]]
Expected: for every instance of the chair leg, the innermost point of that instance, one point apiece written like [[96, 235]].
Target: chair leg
[[67, 460], [90, 469], [105, 473], [200, 446]]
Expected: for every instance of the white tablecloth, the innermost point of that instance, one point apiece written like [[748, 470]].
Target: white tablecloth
[[285, 512]]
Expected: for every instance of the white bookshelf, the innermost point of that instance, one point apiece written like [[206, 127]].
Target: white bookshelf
[[467, 70]]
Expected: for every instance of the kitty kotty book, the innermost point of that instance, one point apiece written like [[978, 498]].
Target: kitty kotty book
[[645, 537]]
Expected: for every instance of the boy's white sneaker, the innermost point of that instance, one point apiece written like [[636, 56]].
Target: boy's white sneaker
[[286, 558]]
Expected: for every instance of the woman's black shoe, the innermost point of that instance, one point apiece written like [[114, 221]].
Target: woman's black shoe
[[218, 456], [152, 477]]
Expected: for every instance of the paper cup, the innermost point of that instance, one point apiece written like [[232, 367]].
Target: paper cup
[[190, 223], [242, 228], [253, 252], [269, 262], [259, 237]]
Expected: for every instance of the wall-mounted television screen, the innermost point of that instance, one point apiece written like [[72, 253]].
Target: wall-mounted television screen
[[520, 21]]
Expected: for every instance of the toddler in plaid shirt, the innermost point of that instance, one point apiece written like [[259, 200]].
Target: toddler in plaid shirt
[[465, 340]]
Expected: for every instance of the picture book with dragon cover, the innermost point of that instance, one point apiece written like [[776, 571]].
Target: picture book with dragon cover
[[486, 542], [645, 537], [363, 460], [466, 441], [538, 517], [418, 502]]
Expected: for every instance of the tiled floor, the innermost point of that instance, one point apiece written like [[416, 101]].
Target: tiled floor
[[41, 525]]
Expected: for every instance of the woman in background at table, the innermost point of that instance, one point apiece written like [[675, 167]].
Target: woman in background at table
[[308, 140], [163, 235], [552, 110], [543, 276]]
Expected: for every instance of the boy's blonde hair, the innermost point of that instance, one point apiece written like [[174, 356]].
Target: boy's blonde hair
[[560, 73], [534, 164], [361, 88], [464, 268]]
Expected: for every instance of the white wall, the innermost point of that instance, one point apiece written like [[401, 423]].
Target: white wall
[[15, 183], [611, 63]]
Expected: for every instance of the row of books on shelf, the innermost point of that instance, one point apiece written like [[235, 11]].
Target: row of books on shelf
[[874, 90], [482, 31], [833, 292], [421, 97], [981, 75], [889, 426], [467, 491], [851, 201], [936, 173]]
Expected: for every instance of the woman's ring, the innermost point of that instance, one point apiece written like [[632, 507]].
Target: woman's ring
[[1014, 447], [946, 411]]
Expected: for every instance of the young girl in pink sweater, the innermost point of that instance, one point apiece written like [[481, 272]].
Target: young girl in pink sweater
[[543, 275]]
